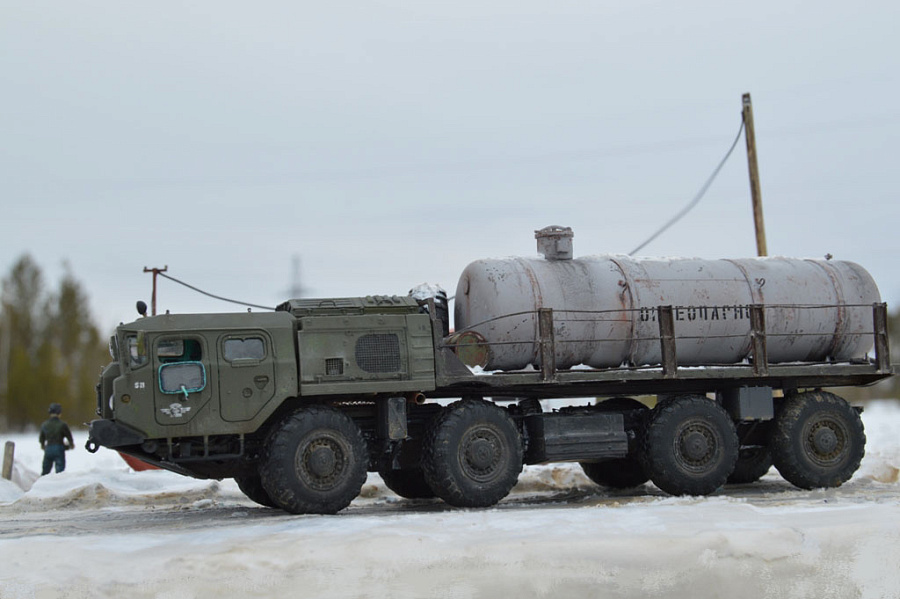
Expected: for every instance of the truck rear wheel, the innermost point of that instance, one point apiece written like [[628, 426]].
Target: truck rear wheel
[[409, 483], [315, 462], [251, 486], [472, 454], [818, 440], [627, 472], [620, 473], [752, 464], [690, 445]]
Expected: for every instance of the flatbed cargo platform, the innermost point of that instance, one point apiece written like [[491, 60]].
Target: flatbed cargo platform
[[453, 379]]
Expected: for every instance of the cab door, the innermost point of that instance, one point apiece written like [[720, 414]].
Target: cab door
[[180, 363], [246, 374]]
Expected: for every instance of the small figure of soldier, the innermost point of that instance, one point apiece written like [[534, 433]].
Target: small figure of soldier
[[55, 439]]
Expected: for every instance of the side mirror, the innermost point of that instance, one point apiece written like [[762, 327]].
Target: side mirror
[[182, 377], [142, 308]]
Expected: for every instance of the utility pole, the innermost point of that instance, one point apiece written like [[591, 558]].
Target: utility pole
[[755, 193], [155, 272], [296, 290]]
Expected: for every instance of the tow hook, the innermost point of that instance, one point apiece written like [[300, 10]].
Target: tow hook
[[92, 446]]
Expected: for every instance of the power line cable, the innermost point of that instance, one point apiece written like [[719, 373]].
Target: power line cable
[[218, 297], [697, 198]]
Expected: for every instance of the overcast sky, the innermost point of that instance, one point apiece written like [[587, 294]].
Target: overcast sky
[[391, 143]]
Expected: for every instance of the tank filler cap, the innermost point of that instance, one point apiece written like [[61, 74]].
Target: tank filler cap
[[555, 242]]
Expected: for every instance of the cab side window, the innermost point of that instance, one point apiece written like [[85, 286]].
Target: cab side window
[[249, 348], [179, 350]]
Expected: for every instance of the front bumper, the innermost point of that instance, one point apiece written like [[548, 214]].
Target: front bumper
[[108, 433]]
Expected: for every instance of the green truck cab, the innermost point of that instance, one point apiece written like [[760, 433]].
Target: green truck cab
[[192, 393]]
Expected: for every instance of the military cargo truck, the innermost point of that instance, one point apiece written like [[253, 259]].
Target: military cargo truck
[[299, 404]]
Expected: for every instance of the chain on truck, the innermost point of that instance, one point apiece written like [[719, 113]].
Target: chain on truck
[[298, 405]]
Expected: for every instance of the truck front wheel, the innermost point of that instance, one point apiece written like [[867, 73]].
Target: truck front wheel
[[818, 440], [315, 462], [690, 446], [472, 455]]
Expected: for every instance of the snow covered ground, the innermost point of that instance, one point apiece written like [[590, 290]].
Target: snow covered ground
[[100, 530]]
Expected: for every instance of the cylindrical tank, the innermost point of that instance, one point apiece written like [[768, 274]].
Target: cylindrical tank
[[605, 307]]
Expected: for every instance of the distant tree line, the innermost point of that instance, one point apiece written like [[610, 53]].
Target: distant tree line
[[50, 349]]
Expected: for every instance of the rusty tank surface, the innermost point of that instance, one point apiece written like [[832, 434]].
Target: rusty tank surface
[[606, 307]]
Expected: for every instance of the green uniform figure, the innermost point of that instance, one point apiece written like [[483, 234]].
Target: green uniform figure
[[54, 437]]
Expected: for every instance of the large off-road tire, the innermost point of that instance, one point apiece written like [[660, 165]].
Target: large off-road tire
[[690, 445], [472, 455], [818, 440], [752, 464], [409, 483], [315, 462], [620, 473], [251, 486], [627, 472]]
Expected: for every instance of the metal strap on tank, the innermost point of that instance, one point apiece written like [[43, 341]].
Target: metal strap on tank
[[667, 341], [538, 303], [758, 340], [548, 344], [840, 323], [631, 292]]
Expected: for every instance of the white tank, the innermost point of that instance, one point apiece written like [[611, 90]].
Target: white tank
[[605, 307]]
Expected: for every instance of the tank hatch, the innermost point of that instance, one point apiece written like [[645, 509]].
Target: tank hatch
[[555, 242]]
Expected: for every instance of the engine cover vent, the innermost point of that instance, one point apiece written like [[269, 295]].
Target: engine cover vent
[[378, 352]]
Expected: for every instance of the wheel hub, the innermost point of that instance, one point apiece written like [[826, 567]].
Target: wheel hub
[[480, 454], [694, 446], [322, 461], [824, 441]]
